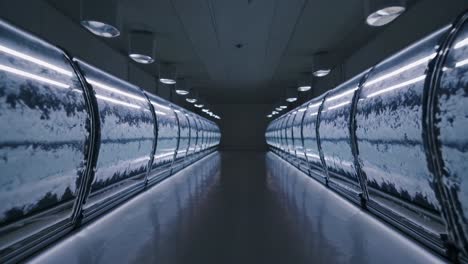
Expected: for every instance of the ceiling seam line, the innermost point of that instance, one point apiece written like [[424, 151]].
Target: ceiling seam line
[[213, 21], [269, 30], [189, 38], [289, 39]]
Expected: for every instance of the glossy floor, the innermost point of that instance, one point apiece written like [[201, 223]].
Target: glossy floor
[[237, 207]]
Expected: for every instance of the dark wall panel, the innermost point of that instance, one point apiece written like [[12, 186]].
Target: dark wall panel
[[243, 125]]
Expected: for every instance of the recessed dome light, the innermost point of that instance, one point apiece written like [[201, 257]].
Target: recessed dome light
[[205, 110], [269, 116], [181, 92], [283, 106], [291, 99], [199, 105], [141, 46], [321, 73], [167, 73], [191, 100], [140, 58], [167, 81], [304, 88], [384, 16], [100, 29], [279, 109]]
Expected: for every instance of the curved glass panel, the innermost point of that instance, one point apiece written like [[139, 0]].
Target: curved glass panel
[[193, 133], [389, 134], [127, 133], [184, 128], [334, 134], [452, 124], [199, 145], [43, 138], [310, 136], [289, 133], [168, 131], [297, 132], [204, 134], [284, 133]]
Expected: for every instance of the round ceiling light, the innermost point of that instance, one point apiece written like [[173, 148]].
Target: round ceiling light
[[321, 73], [199, 105], [384, 16], [381, 12], [167, 73], [291, 99], [100, 17], [269, 116], [100, 28], [167, 81], [181, 92], [191, 100], [279, 109], [304, 88], [141, 58], [141, 48]]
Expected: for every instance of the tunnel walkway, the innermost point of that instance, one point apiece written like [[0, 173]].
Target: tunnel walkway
[[237, 207]]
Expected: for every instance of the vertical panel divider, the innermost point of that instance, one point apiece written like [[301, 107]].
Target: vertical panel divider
[[302, 138], [178, 139], [155, 142], [456, 239], [361, 175], [319, 143], [93, 144], [189, 138]]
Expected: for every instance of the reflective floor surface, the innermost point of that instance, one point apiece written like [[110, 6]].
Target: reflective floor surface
[[237, 207]]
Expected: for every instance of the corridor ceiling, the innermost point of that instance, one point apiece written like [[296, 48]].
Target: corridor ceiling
[[240, 51]]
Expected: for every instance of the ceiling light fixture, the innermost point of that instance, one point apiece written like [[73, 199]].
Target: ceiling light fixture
[[304, 84], [269, 116], [182, 87], [199, 105], [167, 73], [100, 17], [321, 64], [381, 12], [181, 92], [141, 47], [191, 100]]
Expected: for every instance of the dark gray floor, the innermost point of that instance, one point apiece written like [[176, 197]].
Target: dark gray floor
[[237, 207]]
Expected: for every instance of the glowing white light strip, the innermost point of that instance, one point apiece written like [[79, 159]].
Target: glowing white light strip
[[161, 106], [461, 43], [402, 69], [316, 104], [114, 90], [397, 86], [461, 63], [159, 112], [35, 60], [140, 159], [313, 156], [32, 76], [108, 99], [338, 105], [164, 155], [341, 94]]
